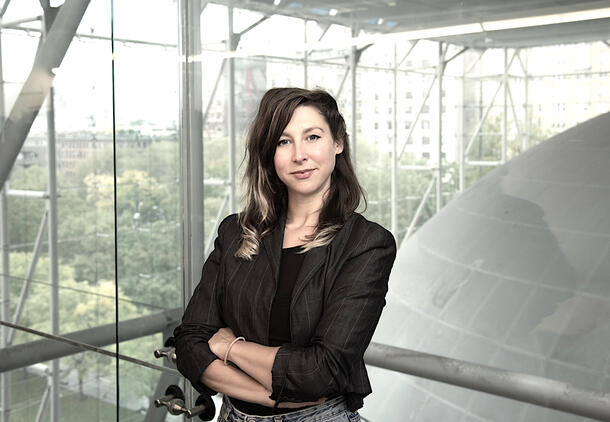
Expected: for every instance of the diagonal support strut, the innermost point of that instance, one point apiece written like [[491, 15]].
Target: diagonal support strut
[[37, 86]]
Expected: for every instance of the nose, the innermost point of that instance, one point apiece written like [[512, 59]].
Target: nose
[[298, 153]]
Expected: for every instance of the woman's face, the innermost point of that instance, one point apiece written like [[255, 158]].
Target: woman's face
[[305, 154]]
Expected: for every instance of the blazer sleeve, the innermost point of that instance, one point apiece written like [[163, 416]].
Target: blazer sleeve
[[202, 318], [345, 329]]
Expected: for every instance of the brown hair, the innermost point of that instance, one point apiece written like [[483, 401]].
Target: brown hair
[[266, 197]]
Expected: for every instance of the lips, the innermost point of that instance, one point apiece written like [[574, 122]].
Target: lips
[[302, 174], [302, 171]]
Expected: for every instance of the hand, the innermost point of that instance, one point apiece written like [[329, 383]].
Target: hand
[[290, 405], [219, 343]]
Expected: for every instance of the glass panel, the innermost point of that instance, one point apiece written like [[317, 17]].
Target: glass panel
[[87, 389], [148, 245]]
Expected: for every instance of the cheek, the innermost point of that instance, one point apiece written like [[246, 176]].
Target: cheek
[[279, 161]]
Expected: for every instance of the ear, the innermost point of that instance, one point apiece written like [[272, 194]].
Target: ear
[[338, 146]]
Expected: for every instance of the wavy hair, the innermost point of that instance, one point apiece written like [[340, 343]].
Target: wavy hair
[[266, 197]]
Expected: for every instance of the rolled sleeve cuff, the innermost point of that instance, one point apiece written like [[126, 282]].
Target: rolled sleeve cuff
[[191, 361], [278, 373]]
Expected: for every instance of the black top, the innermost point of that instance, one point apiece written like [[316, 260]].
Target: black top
[[279, 321]]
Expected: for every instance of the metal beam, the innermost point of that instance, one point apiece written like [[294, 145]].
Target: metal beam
[[340, 90], [305, 55], [18, 22], [475, 62], [191, 148], [354, 58], [491, 103], [191, 144], [419, 112], [514, 385], [394, 155], [28, 277], [411, 47], [439, 141], [254, 25], [420, 208], [231, 46], [37, 86], [4, 7], [504, 143], [24, 193], [213, 93], [79, 35], [5, 309], [43, 404], [482, 121], [26, 354], [5, 277], [512, 106]]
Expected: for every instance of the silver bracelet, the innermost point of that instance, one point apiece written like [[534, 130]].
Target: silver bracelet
[[229, 348]]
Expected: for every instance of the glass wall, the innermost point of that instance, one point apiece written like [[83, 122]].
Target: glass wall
[[109, 253]]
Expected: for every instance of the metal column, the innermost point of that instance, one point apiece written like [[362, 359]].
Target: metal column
[[505, 108], [353, 64], [231, 46], [191, 147], [394, 208], [191, 143], [52, 235], [5, 378], [47, 22], [439, 165], [305, 55], [460, 149], [526, 118]]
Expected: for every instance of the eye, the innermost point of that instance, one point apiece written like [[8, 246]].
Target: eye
[[313, 137], [282, 142]]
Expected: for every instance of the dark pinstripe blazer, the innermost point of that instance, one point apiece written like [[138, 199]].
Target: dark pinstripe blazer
[[336, 304]]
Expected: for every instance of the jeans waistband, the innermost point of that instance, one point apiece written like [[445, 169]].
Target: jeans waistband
[[320, 411]]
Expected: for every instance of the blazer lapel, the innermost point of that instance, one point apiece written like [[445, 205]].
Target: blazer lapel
[[313, 260], [273, 246]]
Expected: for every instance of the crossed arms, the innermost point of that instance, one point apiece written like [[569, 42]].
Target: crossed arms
[[292, 375]]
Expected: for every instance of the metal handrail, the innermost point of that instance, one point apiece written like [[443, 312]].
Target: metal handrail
[[527, 388]]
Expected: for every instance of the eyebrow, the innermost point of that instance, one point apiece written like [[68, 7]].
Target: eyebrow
[[309, 129]]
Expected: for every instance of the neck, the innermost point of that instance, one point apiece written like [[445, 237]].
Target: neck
[[304, 211]]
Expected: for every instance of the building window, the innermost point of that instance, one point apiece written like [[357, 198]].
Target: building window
[[425, 140], [425, 124], [425, 109], [425, 155], [407, 124], [389, 124], [376, 125], [408, 95]]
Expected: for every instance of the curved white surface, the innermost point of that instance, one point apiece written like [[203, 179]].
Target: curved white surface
[[514, 273]]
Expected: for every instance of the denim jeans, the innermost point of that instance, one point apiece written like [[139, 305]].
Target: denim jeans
[[333, 410]]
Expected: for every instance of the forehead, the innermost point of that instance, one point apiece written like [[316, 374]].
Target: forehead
[[305, 117]]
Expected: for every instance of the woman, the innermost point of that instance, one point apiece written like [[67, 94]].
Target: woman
[[290, 296]]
